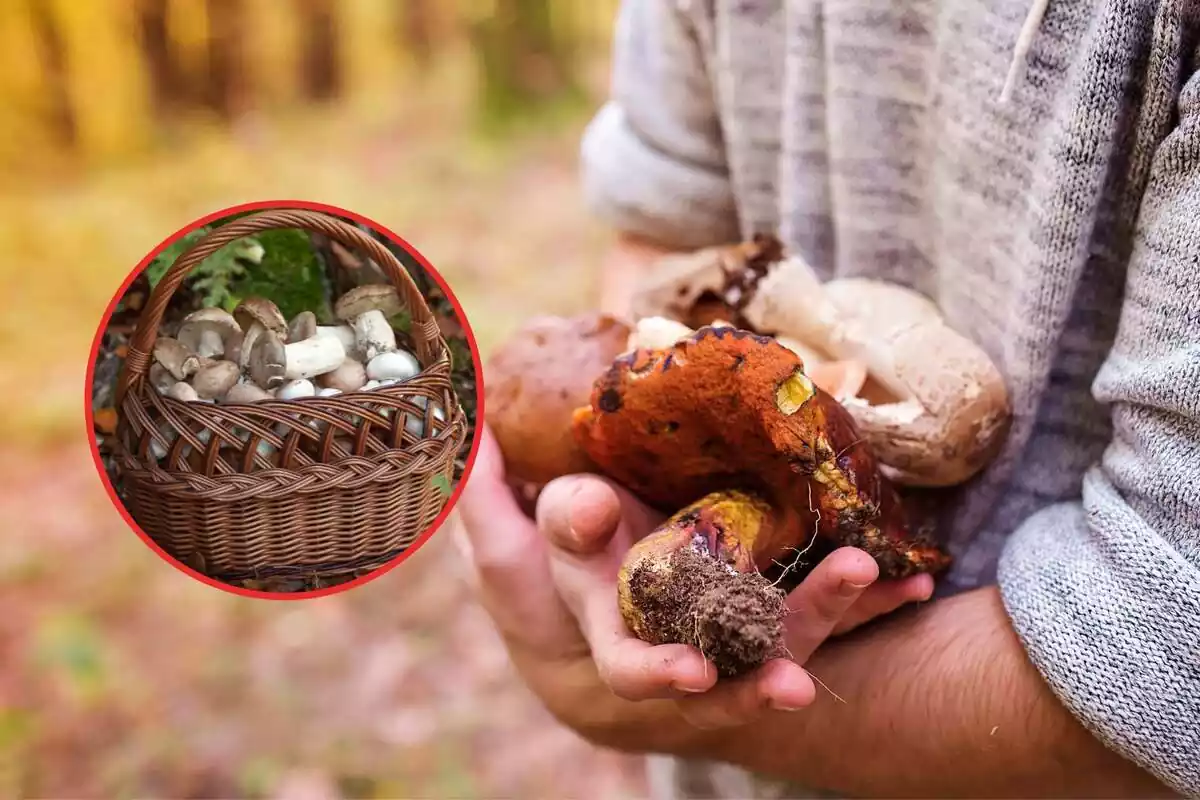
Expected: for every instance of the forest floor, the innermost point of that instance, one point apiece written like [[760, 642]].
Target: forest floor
[[119, 675]]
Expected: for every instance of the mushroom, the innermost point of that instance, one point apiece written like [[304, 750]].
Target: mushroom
[[183, 391], [311, 357], [416, 425], [257, 315], [343, 333], [928, 400], [369, 385], [940, 407], [367, 309], [399, 365], [301, 387], [175, 357], [536, 380], [216, 379], [328, 391], [723, 411], [209, 332], [266, 359], [349, 376], [245, 392], [160, 378], [302, 326]]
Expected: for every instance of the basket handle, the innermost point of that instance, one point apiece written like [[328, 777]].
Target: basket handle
[[425, 331]]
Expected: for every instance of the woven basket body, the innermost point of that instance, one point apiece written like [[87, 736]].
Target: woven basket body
[[314, 486]]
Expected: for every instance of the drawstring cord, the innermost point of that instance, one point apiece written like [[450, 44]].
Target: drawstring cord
[[1020, 56]]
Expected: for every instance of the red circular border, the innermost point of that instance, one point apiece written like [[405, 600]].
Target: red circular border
[[89, 413]]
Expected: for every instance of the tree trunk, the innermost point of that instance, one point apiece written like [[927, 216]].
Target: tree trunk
[[53, 54], [525, 65], [227, 87], [169, 90], [321, 76], [418, 30]]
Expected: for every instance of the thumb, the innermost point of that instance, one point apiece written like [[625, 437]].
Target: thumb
[[579, 513]]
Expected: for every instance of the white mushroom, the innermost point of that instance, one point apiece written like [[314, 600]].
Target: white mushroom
[[369, 385], [183, 391], [311, 357], [215, 379], [301, 387], [397, 364], [349, 376], [657, 332], [343, 333], [416, 425], [328, 391], [209, 332], [367, 309], [175, 357]]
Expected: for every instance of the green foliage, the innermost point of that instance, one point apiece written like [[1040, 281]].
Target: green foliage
[[442, 484], [290, 274], [280, 265]]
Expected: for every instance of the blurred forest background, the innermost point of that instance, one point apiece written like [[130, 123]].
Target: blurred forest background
[[124, 120]]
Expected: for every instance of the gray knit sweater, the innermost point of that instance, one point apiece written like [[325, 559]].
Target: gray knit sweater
[[1056, 223]]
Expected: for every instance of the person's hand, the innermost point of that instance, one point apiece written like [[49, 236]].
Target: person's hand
[[552, 596], [509, 565], [591, 523]]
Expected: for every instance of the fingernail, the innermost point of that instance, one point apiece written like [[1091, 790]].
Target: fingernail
[[849, 587], [781, 706], [687, 689]]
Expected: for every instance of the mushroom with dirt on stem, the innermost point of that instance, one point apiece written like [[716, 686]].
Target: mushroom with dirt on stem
[[210, 332], [367, 309]]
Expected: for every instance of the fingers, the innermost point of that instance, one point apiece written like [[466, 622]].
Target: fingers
[[582, 513], [777, 685], [884, 598], [579, 513], [819, 603], [508, 562]]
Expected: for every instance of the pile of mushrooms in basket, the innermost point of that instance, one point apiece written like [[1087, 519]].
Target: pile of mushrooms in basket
[[255, 354], [770, 415]]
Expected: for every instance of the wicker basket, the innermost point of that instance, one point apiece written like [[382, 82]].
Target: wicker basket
[[316, 486]]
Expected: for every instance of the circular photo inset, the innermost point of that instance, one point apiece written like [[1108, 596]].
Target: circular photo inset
[[283, 399]]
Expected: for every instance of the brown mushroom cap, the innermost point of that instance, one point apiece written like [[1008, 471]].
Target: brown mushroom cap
[[245, 393], [175, 357], [268, 361], [537, 379], [262, 311], [371, 297], [303, 326], [216, 320], [215, 379]]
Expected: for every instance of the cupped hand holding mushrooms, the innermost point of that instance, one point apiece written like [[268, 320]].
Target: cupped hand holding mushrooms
[[757, 456]]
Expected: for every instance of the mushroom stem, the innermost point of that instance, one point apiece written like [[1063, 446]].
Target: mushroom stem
[[313, 356], [373, 334]]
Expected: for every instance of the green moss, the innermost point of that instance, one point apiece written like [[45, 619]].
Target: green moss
[[289, 273]]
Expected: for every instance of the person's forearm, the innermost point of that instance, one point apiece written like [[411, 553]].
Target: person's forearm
[[939, 701], [626, 261]]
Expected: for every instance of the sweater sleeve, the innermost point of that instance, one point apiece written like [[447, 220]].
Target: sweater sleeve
[[1105, 594], [653, 159]]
